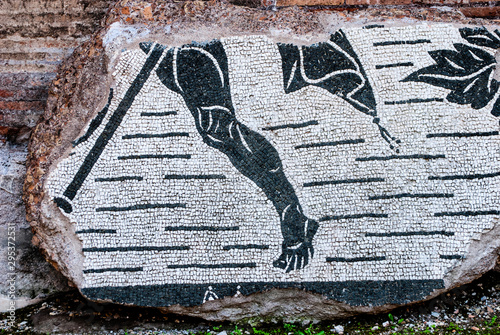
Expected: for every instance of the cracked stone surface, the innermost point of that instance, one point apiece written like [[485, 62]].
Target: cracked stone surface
[[402, 134]]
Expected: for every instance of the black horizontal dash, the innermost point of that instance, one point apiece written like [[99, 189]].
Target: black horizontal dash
[[193, 176], [466, 176], [159, 113], [383, 66], [138, 207], [292, 125], [345, 181], [353, 216], [213, 266], [127, 137], [96, 231], [201, 228], [386, 158], [71, 154], [412, 233], [123, 178], [468, 213], [452, 256], [327, 144], [371, 26], [409, 195], [412, 101], [154, 156], [113, 270], [245, 246], [135, 248], [487, 133], [410, 42], [355, 259], [108, 131]]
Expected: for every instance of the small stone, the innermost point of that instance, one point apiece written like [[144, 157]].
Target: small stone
[[375, 328], [386, 324], [339, 329], [474, 328], [435, 314]]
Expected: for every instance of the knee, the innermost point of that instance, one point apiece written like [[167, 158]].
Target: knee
[[214, 125]]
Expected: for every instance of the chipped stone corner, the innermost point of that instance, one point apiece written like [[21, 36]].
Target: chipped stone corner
[[483, 255]]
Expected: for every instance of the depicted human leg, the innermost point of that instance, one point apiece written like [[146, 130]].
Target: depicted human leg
[[335, 67], [199, 74], [258, 160]]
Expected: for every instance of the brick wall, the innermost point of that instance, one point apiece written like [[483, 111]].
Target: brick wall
[[35, 35]]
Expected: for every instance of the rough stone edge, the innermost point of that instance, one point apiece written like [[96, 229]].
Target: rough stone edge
[[51, 142], [51, 138]]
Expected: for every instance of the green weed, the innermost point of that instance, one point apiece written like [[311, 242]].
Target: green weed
[[236, 331]]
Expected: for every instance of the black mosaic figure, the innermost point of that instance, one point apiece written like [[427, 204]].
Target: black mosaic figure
[[199, 73], [333, 66]]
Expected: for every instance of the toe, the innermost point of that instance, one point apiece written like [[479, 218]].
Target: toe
[[300, 264]]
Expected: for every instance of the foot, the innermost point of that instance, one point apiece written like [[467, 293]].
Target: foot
[[391, 140], [297, 256]]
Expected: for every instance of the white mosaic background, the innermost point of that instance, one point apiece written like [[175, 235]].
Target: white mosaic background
[[257, 89]]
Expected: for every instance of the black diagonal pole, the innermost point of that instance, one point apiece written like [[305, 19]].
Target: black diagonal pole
[[109, 130]]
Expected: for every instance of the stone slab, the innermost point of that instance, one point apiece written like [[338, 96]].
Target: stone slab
[[271, 173]]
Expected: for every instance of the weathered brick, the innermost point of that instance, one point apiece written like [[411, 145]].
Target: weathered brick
[[13, 81], [23, 55], [9, 118], [6, 94], [48, 25], [51, 6], [486, 12], [36, 93], [378, 2], [22, 105], [247, 3], [442, 2], [357, 2]]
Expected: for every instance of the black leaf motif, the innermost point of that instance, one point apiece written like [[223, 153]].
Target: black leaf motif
[[496, 108], [466, 71], [481, 37]]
